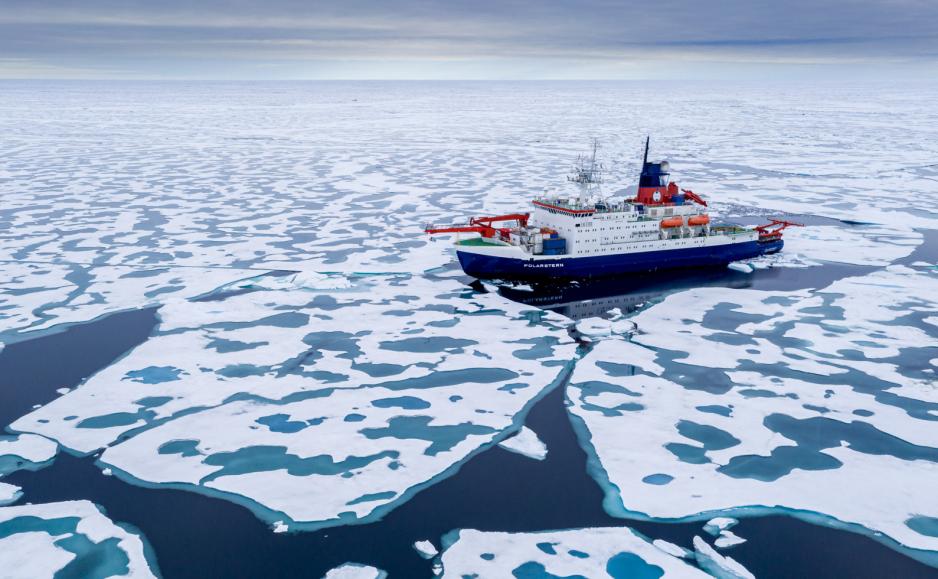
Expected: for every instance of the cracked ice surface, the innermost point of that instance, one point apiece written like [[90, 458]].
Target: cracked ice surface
[[597, 552], [67, 539], [814, 401], [325, 407], [39, 296], [718, 565], [100, 186], [868, 245]]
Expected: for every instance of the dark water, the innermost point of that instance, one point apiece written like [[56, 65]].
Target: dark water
[[628, 293], [31, 371], [926, 251], [198, 536]]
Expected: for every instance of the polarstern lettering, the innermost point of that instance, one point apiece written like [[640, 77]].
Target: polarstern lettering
[[543, 265]]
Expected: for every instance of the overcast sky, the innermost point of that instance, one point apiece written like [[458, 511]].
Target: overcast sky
[[480, 39]]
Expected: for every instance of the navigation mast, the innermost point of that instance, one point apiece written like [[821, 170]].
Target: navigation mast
[[588, 175]]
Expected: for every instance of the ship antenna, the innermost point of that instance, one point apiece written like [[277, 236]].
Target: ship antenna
[[588, 175]]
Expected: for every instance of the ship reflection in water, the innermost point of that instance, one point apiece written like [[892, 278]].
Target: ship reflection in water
[[594, 298]]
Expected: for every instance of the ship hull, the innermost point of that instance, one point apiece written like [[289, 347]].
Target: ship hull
[[484, 266]]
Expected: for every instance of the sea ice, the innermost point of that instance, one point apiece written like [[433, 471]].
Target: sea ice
[[597, 552], [180, 208], [65, 539], [672, 549], [717, 565], [805, 402], [526, 443], [325, 408], [728, 539], [870, 245], [32, 555], [426, 549], [167, 214], [96, 291], [592, 328], [9, 493], [718, 524], [355, 571], [25, 448], [740, 267]]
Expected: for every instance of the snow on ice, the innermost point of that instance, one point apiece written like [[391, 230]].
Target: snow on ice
[[322, 407], [728, 539], [65, 539], [355, 571], [9, 493], [27, 450], [717, 565], [807, 401], [402, 377], [526, 443], [599, 552], [426, 549], [717, 525]]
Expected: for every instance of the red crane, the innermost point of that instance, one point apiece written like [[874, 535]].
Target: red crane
[[773, 230], [688, 194], [483, 225]]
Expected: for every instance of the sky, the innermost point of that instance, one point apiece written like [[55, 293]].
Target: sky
[[458, 39]]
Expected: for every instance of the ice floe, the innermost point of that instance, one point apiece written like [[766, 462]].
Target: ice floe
[[526, 443], [806, 402], [355, 571], [98, 218], [740, 267], [426, 549], [83, 292], [9, 493], [65, 539], [672, 549], [280, 527], [326, 408], [592, 328], [728, 539], [27, 450], [717, 525], [596, 552], [855, 245], [717, 565], [141, 216]]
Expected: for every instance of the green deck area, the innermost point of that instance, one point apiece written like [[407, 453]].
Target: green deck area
[[477, 241]]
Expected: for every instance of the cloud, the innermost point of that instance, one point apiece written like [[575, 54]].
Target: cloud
[[287, 38]]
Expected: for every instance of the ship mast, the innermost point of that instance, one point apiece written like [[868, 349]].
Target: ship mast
[[588, 175]]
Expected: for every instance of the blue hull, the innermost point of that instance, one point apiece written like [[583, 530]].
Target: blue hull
[[489, 267]]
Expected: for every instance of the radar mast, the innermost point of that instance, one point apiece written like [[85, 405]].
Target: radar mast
[[588, 175]]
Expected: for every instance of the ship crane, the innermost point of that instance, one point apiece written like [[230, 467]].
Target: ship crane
[[483, 225], [688, 194], [570, 237], [773, 229]]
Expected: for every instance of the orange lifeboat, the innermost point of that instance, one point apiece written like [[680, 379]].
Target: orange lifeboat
[[698, 220], [672, 222]]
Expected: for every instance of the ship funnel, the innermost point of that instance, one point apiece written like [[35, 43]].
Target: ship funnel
[[655, 175], [653, 181]]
